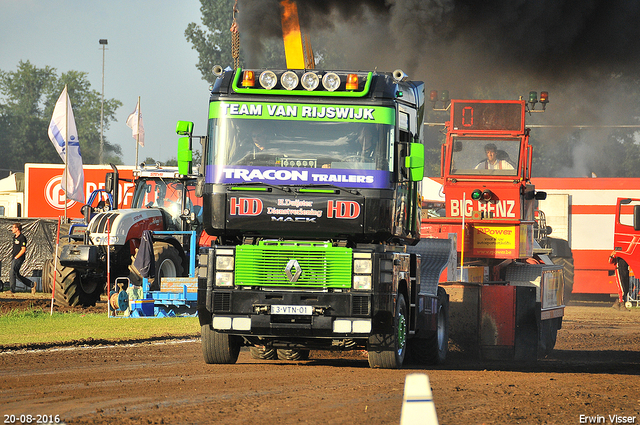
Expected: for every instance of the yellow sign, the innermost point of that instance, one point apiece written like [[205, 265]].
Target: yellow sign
[[496, 240]]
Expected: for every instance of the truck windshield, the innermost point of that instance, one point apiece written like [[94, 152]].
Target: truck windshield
[[482, 156], [303, 144], [167, 195]]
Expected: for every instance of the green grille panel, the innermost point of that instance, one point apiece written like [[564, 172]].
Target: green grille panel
[[322, 265]]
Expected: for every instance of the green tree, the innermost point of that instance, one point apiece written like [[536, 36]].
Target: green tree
[[28, 96], [213, 44]]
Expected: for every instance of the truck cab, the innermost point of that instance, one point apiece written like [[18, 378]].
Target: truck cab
[[311, 186]]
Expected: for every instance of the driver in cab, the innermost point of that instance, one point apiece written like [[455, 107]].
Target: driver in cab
[[492, 162]]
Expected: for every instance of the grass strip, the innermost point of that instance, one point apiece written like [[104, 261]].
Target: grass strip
[[25, 328]]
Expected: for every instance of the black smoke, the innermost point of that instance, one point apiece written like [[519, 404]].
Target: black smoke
[[586, 53]]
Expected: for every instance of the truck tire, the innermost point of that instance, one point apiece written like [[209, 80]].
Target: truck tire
[[548, 335], [433, 350], [47, 275], [262, 353], [219, 348], [71, 291], [293, 354], [387, 351]]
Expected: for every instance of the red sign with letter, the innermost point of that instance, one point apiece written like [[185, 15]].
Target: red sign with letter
[[44, 197]]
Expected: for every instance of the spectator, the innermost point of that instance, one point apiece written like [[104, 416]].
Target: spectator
[[19, 250]]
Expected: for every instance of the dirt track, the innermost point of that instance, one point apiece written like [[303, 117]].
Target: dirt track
[[593, 372]]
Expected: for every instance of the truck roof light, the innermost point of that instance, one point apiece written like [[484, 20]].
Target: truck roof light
[[433, 95], [268, 79], [248, 79], [331, 81], [352, 82], [487, 195], [476, 195], [533, 99], [310, 80], [289, 80], [444, 96], [544, 97]]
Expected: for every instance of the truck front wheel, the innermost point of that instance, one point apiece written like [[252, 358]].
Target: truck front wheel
[[387, 351], [219, 348]]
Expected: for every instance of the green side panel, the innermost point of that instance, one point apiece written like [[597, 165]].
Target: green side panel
[[322, 266]]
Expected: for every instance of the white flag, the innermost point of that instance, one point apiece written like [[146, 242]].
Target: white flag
[[135, 123], [63, 126]]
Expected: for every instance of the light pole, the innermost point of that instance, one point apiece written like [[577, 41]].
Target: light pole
[[103, 42]]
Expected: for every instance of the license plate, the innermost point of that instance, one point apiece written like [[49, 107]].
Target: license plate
[[298, 310]]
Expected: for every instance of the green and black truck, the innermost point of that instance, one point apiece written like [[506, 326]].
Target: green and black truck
[[311, 186]]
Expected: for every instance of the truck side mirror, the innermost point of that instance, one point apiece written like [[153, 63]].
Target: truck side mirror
[[185, 156], [184, 128], [636, 217], [414, 162]]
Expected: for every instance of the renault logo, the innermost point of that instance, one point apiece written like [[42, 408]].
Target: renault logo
[[293, 270]]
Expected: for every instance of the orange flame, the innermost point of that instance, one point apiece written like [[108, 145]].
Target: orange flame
[[292, 35]]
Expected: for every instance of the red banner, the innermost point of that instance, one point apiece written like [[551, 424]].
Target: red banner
[[44, 197]]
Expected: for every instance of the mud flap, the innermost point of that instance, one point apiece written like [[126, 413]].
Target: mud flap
[[435, 255]]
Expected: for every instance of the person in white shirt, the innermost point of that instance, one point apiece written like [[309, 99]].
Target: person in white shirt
[[492, 162]]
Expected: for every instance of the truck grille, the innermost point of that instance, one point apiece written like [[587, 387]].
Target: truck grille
[[221, 301], [321, 265], [360, 305]]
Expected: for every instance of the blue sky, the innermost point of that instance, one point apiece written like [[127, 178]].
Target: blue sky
[[147, 56]]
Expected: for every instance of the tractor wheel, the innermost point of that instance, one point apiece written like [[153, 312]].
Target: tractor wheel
[[219, 348], [387, 351], [47, 276], [72, 291], [168, 264], [293, 354], [262, 353], [562, 256], [433, 349]]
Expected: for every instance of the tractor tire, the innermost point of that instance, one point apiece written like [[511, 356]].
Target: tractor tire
[[168, 264], [561, 255], [387, 351], [293, 354], [433, 350], [567, 268], [71, 291], [262, 353], [219, 348], [47, 276]]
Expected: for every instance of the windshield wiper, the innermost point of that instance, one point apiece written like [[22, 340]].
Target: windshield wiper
[[257, 186], [332, 186]]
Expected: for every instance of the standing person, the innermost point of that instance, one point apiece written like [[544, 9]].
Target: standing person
[[19, 249]]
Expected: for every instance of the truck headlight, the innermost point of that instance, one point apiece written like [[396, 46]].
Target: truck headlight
[[224, 279], [224, 263], [362, 282], [362, 266]]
